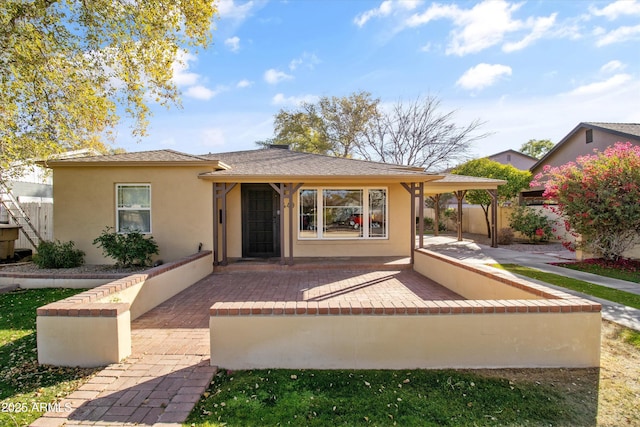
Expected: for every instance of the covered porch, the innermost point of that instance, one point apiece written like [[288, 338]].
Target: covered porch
[[285, 221]]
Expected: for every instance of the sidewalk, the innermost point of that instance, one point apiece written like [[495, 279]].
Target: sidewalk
[[160, 383], [475, 253]]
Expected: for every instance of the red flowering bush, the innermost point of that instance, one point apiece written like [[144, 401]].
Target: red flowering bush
[[598, 195]]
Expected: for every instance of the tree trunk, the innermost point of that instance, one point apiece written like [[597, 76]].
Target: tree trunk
[[486, 218]]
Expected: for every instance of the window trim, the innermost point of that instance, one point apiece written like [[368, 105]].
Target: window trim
[[588, 135], [120, 185], [365, 214]]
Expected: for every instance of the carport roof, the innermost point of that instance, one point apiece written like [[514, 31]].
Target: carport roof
[[451, 183]]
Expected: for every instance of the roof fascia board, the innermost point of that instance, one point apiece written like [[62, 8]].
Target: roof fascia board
[[318, 178], [137, 163]]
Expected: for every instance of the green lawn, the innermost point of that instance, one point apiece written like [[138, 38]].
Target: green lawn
[[379, 398], [26, 388], [624, 270], [615, 295]]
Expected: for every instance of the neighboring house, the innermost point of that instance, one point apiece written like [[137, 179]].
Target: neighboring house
[[581, 141], [31, 188], [259, 203], [514, 158]]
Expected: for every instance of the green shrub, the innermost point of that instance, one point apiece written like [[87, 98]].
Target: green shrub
[[128, 249], [58, 255], [532, 224]]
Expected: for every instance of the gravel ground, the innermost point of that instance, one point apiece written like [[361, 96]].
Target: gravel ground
[[29, 267]]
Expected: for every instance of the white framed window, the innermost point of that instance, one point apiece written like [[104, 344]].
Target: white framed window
[[342, 213], [133, 208]]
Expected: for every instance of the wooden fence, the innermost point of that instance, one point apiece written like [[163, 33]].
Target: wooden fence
[[41, 216]]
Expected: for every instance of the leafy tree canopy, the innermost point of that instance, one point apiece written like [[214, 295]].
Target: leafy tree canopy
[[537, 147], [516, 181], [598, 197], [332, 125], [68, 68]]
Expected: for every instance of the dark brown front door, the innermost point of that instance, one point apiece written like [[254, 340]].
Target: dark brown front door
[[260, 221]]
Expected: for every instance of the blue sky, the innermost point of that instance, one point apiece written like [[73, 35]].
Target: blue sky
[[530, 69]]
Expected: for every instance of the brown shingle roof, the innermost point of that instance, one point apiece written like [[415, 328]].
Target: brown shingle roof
[[154, 157], [630, 129], [282, 162]]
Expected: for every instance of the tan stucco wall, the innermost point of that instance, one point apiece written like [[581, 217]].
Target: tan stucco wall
[[468, 283], [404, 342], [83, 341], [181, 207], [100, 340], [146, 295]]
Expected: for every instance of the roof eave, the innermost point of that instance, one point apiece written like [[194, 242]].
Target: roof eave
[[217, 165], [318, 178]]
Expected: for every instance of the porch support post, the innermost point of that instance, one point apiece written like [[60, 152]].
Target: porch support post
[[436, 208], [286, 192], [220, 191], [460, 196], [420, 191], [494, 217], [416, 190]]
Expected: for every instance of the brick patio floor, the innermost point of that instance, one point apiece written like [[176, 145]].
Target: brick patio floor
[[168, 370]]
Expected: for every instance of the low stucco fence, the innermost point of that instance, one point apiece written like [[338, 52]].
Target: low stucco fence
[[93, 328], [504, 322]]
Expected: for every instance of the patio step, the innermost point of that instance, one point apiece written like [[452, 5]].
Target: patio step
[[304, 264]]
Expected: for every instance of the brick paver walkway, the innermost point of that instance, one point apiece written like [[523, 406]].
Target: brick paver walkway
[[169, 367]]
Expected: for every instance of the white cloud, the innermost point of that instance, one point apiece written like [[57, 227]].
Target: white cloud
[[612, 66], [273, 76], [619, 35], [602, 87], [244, 83], [483, 26], [308, 60], [181, 75], [386, 8], [229, 9], [435, 11], [540, 27], [189, 81], [483, 75], [200, 92], [487, 24], [280, 99], [618, 8], [233, 43]]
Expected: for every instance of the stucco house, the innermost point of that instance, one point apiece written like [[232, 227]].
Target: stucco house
[[205, 212], [260, 203], [514, 158], [581, 141]]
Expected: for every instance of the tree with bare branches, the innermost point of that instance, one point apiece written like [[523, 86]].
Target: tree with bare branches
[[419, 134]]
